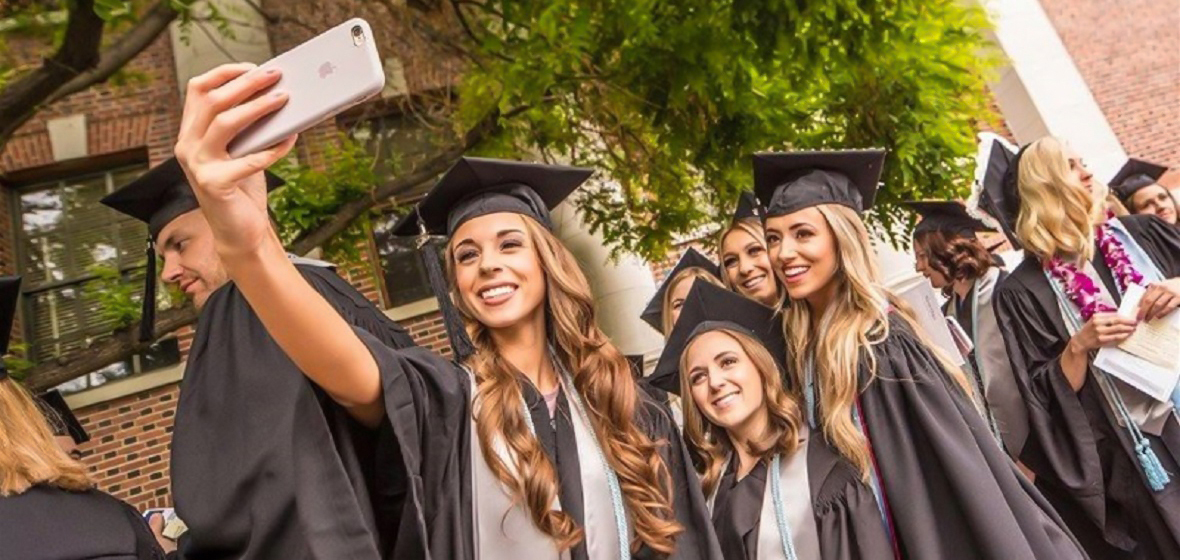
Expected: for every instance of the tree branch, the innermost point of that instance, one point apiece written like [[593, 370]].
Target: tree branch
[[127, 47], [106, 351], [78, 52], [420, 174]]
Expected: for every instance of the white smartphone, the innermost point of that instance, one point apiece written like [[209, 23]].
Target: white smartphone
[[325, 75]]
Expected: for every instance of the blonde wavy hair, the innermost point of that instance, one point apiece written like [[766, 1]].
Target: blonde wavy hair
[[29, 454], [856, 319], [753, 227], [693, 272], [1057, 214], [602, 376], [712, 441]]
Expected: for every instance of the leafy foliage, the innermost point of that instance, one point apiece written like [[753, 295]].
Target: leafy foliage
[[313, 194], [672, 98], [117, 297], [17, 360]]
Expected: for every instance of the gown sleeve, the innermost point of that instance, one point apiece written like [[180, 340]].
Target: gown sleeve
[[952, 492], [697, 541], [427, 409], [1160, 240], [846, 515], [1061, 446]]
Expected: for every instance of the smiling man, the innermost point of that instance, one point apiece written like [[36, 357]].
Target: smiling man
[[264, 462]]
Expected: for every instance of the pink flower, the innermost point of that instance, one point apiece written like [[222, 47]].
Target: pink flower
[[1081, 289]]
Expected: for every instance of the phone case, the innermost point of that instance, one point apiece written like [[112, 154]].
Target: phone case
[[323, 76]]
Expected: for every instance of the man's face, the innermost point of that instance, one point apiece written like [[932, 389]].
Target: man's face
[[190, 260]]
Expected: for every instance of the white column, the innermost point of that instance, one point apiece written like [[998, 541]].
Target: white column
[[201, 46], [1041, 90], [621, 287]]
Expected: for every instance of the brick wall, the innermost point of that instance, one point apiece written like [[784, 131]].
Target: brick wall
[[1129, 54], [130, 445]]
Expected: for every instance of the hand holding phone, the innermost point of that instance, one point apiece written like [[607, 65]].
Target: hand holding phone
[[322, 77]]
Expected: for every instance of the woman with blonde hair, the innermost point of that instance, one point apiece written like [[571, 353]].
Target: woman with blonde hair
[[49, 508], [663, 309], [1103, 452], [776, 489], [899, 413], [745, 266], [535, 442]]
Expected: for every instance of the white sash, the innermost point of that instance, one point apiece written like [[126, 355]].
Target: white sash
[[503, 528]]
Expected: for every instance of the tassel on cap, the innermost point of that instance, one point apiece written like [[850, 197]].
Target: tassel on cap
[[147, 319], [428, 249]]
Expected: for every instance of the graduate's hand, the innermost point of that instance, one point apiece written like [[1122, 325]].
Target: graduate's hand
[[1160, 299], [1102, 330], [232, 191], [156, 523]]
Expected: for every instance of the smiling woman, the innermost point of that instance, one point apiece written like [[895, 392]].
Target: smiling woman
[[893, 407], [754, 445]]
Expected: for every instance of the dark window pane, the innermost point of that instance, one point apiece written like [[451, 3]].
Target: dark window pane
[[404, 275], [66, 231]]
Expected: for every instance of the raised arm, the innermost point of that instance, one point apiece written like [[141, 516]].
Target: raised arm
[[232, 193]]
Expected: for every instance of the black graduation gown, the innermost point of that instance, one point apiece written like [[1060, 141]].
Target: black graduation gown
[[1083, 458], [427, 400], [847, 520], [47, 523], [264, 463], [952, 492]]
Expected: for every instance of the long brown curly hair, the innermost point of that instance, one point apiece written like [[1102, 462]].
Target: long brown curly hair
[[712, 442], [954, 256], [602, 376]]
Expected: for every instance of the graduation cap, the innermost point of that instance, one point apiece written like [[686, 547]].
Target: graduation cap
[[61, 418], [997, 163], [1134, 175], [636, 361], [789, 182], [156, 198], [475, 187], [748, 207], [9, 298], [653, 314], [708, 308], [947, 216]]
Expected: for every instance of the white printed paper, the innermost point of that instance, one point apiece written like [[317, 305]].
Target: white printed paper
[[924, 301], [1150, 359]]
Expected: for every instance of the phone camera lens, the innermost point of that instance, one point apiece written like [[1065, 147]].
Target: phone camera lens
[[357, 31]]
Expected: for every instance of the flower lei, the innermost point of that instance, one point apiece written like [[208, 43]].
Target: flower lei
[[1082, 291]]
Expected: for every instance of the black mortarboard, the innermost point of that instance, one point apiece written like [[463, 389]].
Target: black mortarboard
[[9, 298], [636, 362], [475, 187], [748, 207], [1134, 175], [708, 308], [156, 198], [61, 419], [791, 181], [947, 216], [997, 166], [653, 314]]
